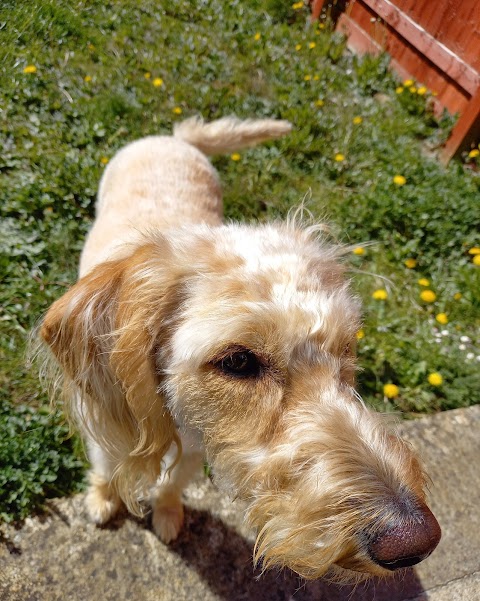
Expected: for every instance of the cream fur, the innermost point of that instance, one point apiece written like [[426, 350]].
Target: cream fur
[[167, 298]]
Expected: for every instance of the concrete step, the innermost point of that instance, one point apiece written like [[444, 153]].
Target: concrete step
[[61, 556]]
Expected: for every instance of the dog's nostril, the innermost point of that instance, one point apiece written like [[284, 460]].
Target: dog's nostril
[[405, 562], [408, 542]]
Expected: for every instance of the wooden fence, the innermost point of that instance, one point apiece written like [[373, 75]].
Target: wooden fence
[[435, 42]]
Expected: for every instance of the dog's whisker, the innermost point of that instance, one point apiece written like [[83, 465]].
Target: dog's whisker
[[386, 279]]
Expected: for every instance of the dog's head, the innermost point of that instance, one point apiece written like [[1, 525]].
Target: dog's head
[[248, 334]]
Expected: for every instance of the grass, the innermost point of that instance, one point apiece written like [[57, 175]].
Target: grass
[[106, 73]]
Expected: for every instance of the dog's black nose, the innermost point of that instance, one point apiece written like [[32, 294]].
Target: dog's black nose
[[408, 542]]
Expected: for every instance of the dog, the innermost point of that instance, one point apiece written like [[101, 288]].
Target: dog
[[186, 338]]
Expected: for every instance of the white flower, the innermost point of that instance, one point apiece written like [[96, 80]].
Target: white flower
[[470, 356], [461, 347], [445, 333], [464, 339]]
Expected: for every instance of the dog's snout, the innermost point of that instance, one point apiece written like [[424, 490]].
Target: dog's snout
[[408, 542]]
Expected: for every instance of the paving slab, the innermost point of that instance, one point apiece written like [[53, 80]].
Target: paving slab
[[60, 555], [465, 589]]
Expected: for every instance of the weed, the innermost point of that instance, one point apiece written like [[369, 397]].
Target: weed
[[80, 81]]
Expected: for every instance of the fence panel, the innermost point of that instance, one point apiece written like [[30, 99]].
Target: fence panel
[[435, 43]]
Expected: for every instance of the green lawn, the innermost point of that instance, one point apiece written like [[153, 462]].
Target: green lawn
[[81, 79]]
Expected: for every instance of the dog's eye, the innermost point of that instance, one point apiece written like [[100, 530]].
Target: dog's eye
[[243, 364]]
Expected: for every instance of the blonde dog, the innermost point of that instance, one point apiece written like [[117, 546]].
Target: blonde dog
[[184, 337]]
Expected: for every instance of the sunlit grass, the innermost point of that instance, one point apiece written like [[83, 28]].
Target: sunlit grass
[[80, 80]]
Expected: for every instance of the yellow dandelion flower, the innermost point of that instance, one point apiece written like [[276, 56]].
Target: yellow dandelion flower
[[457, 295], [298, 47], [399, 180], [358, 250], [410, 263], [297, 5], [442, 318], [422, 90], [147, 75], [412, 89], [339, 157], [311, 45], [157, 82], [423, 282], [87, 78], [435, 379], [391, 391], [473, 153], [360, 334], [30, 69], [474, 251], [319, 102], [476, 259], [307, 78], [428, 296], [321, 26], [177, 110], [90, 47], [235, 156], [257, 36], [399, 90], [408, 82], [357, 120], [380, 294], [104, 160], [316, 77]]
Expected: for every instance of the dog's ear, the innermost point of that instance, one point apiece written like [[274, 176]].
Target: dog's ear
[[104, 332]]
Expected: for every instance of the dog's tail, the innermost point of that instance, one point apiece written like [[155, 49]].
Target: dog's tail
[[229, 134]]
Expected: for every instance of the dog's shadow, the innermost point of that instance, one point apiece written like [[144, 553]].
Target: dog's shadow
[[223, 559]]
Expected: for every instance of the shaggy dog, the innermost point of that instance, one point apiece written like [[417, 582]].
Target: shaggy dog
[[185, 338]]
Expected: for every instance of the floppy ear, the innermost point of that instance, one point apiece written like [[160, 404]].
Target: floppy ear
[[104, 333]]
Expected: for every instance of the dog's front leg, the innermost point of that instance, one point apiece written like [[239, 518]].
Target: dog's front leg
[[166, 495], [103, 501]]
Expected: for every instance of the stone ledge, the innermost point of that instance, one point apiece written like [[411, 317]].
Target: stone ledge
[[61, 556]]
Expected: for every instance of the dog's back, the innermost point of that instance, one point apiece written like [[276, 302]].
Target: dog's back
[[167, 181]]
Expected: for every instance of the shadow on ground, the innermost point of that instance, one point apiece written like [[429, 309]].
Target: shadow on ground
[[61, 555], [223, 560]]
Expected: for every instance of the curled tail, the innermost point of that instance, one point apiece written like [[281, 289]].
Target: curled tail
[[229, 134]]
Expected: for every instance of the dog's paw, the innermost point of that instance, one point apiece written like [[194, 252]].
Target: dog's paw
[[167, 518], [102, 503]]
